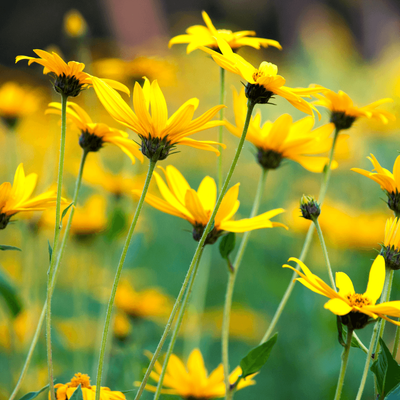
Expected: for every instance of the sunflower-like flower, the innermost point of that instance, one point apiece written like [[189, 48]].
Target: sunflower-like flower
[[158, 133], [282, 139], [70, 79], [390, 249], [389, 182], [65, 390], [95, 135], [199, 35], [15, 198], [355, 310], [344, 112], [196, 207], [192, 381], [264, 82]]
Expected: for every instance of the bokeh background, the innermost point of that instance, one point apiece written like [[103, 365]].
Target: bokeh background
[[347, 45]]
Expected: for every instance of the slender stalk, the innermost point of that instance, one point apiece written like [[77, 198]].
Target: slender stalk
[[343, 367], [306, 245], [221, 127], [325, 251], [57, 231], [177, 327], [250, 107], [396, 343], [231, 283], [150, 171]]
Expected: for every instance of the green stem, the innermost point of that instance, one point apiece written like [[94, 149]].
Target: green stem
[[306, 245], [250, 107], [231, 283], [396, 343], [176, 329], [57, 232], [54, 279], [325, 251], [345, 359], [221, 127], [150, 171]]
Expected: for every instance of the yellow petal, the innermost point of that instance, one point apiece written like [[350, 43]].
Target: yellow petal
[[376, 280], [207, 193], [338, 306], [344, 284]]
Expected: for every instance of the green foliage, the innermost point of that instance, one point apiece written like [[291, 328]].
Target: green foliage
[[9, 294], [5, 247], [394, 393], [32, 395], [227, 245], [50, 250], [342, 336], [77, 395], [64, 213]]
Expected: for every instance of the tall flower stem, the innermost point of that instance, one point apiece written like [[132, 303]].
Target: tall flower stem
[[306, 245], [231, 283], [221, 127], [150, 171], [57, 231], [345, 359], [250, 107], [396, 343], [54, 279], [177, 327]]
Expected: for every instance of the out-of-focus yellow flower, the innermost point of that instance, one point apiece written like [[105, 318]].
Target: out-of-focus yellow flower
[[148, 303], [74, 24], [192, 381], [199, 35], [181, 200], [354, 309], [95, 135], [344, 112], [65, 390], [282, 139], [15, 198], [159, 134], [77, 333], [264, 82], [69, 78], [122, 327]]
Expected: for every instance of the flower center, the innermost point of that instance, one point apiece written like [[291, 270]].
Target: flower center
[[342, 120], [269, 159], [358, 300], [80, 379], [90, 141]]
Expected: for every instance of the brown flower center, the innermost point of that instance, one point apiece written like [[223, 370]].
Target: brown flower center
[[80, 379], [358, 300], [257, 74]]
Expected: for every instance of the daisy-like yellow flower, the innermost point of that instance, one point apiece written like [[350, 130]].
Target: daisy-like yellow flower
[[65, 390], [15, 198], [283, 138], [159, 134], [181, 200], [95, 135], [192, 381], [390, 249], [344, 112], [355, 310], [199, 35], [389, 182], [264, 82], [70, 79]]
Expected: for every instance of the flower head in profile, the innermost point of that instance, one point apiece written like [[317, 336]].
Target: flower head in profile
[[389, 182], [344, 112], [158, 133], [16, 197], [390, 248], [355, 310], [95, 135], [192, 381], [70, 79], [262, 82], [196, 207], [283, 139], [199, 35], [65, 390]]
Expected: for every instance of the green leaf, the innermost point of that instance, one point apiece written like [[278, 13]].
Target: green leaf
[[32, 395], [50, 250], [257, 357], [128, 391], [227, 244], [343, 337], [10, 296], [386, 370], [5, 247], [64, 213], [394, 394], [77, 395]]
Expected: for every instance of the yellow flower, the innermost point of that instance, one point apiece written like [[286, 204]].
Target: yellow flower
[[196, 207], [74, 24], [199, 35], [159, 134], [122, 327], [389, 182], [15, 198], [353, 308], [65, 390], [69, 78], [95, 135], [193, 382], [391, 244], [344, 112], [282, 139], [264, 82]]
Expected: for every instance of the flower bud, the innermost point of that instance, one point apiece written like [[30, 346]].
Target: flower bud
[[309, 208]]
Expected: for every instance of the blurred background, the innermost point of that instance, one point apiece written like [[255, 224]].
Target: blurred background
[[347, 45]]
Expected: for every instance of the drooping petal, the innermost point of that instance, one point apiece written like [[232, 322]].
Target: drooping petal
[[338, 306], [376, 280]]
